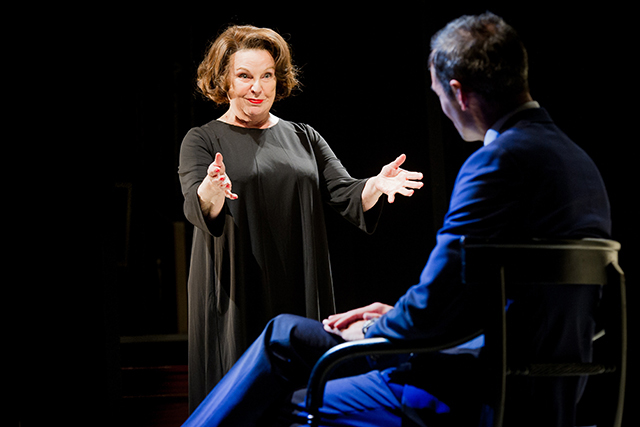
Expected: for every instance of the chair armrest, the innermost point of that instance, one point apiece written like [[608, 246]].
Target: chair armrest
[[369, 346]]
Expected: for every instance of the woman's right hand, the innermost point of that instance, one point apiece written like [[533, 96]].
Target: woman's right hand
[[215, 187]]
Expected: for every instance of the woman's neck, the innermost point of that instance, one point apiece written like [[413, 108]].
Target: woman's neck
[[230, 118]]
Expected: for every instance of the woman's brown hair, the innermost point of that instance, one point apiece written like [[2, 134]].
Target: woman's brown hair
[[213, 72]]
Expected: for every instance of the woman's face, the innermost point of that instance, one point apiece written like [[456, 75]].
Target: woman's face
[[252, 88]]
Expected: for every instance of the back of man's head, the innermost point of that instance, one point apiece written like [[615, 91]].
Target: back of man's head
[[484, 54]]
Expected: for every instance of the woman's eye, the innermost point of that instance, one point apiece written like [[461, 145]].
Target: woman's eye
[[243, 75]]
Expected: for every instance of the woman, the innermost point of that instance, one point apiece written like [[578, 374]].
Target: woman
[[254, 186]]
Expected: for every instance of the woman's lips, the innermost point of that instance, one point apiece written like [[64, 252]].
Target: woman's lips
[[256, 101]]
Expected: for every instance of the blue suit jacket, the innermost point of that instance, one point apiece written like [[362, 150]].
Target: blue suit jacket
[[532, 181]]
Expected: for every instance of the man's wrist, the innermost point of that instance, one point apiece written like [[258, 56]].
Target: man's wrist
[[368, 324]]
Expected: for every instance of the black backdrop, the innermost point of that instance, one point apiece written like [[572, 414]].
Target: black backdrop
[[366, 90]]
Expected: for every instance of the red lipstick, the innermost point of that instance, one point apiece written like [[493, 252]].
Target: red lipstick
[[256, 101]]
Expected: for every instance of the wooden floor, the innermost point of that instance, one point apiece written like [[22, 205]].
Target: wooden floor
[[154, 396], [154, 383]]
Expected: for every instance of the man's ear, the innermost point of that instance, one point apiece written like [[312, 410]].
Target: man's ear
[[459, 94]]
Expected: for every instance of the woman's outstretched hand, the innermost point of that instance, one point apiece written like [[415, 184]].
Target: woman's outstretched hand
[[391, 180]]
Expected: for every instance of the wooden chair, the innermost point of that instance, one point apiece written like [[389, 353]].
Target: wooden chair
[[498, 265]]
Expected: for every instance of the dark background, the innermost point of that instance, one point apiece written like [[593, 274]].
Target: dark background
[[365, 89]]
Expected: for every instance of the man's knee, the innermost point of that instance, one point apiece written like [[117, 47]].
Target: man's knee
[[290, 328], [299, 341]]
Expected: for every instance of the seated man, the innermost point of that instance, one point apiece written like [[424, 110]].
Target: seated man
[[529, 180]]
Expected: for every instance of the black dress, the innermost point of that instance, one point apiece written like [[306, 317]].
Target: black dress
[[267, 252]]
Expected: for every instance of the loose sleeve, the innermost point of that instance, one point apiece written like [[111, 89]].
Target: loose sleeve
[[340, 190], [196, 154]]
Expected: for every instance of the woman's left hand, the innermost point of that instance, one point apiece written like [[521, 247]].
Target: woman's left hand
[[393, 180]]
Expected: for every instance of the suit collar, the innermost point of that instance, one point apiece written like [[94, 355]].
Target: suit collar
[[505, 122]]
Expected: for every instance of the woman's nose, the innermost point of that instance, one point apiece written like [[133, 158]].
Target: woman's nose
[[256, 87]]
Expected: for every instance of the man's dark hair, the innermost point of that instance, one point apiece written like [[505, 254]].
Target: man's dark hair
[[484, 54]]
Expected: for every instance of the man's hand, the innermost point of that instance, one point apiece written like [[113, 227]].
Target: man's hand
[[351, 333], [348, 325]]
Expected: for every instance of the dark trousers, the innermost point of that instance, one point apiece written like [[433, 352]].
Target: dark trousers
[[276, 364], [261, 386]]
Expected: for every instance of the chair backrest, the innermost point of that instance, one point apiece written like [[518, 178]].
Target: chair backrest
[[500, 265]]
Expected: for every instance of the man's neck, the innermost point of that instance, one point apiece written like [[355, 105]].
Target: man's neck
[[493, 112]]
